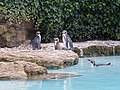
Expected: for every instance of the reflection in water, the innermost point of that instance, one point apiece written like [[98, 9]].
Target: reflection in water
[[97, 78], [40, 86], [67, 85], [13, 85], [113, 50], [18, 85], [81, 63], [81, 52]]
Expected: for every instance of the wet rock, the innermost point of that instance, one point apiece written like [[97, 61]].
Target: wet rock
[[98, 48], [117, 50], [98, 51], [28, 71], [33, 69], [76, 50]]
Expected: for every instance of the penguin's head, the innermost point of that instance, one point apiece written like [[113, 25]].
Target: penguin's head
[[56, 40], [64, 32], [38, 33]]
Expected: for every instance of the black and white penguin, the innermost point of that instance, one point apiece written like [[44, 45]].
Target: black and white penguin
[[36, 42], [67, 40], [57, 44], [97, 65]]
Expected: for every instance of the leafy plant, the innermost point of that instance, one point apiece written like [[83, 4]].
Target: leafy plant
[[83, 19]]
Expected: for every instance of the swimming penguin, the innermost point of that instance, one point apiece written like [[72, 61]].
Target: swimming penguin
[[36, 42], [97, 65], [67, 40]]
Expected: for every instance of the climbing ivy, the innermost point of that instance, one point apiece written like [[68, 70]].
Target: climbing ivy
[[83, 19]]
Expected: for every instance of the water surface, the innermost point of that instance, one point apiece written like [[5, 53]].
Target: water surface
[[93, 78]]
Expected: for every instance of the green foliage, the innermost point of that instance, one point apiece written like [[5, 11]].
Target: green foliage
[[83, 19]]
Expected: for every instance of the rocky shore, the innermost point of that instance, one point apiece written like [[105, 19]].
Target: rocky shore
[[20, 70], [24, 63], [86, 44], [98, 48], [16, 63], [51, 59]]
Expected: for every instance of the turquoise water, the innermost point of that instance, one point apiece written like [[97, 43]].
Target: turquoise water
[[93, 78]]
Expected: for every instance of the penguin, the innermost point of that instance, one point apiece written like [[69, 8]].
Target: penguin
[[67, 40], [57, 44], [36, 42], [97, 65]]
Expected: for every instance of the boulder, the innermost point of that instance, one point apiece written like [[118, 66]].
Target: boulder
[[28, 71], [97, 48], [20, 70], [52, 59], [98, 51], [13, 35], [33, 69]]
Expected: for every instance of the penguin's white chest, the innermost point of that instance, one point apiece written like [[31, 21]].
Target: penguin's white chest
[[39, 40], [64, 39]]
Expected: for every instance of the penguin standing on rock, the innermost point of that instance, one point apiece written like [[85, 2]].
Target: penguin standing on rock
[[57, 44], [67, 40], [36, 42]]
